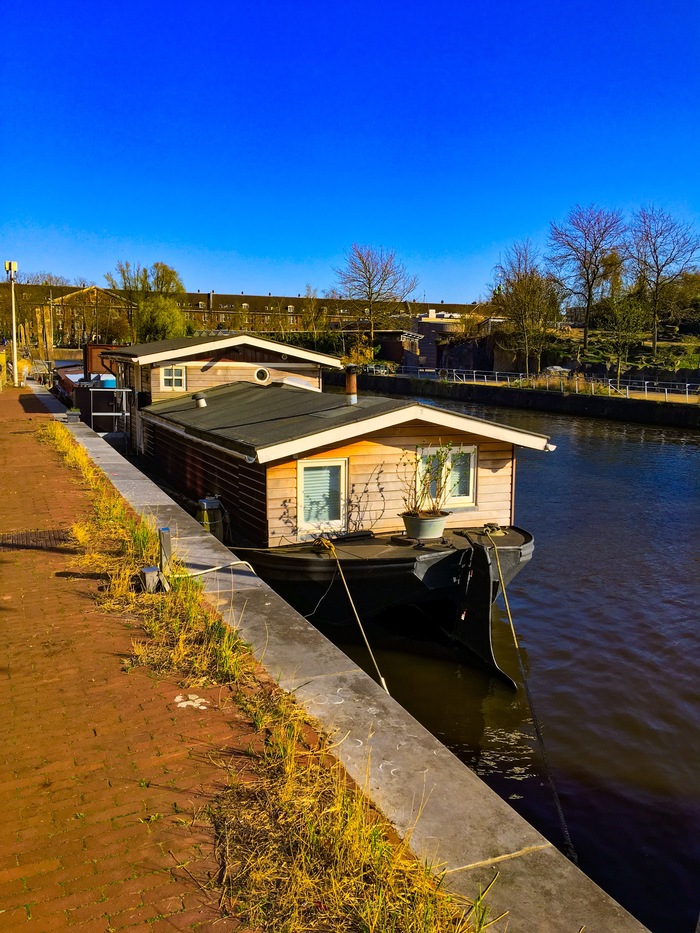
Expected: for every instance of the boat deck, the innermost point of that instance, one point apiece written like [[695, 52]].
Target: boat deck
[[392, 547]]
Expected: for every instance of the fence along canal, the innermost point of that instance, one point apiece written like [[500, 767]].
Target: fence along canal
[[561, 381]]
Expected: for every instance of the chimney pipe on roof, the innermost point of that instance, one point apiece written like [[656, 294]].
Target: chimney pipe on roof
[[200, 399], [351, 385]]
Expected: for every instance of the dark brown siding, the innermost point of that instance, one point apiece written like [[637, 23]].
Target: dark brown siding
[[198, 471]]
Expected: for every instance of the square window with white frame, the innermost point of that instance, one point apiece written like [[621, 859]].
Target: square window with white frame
[[322, 495], [173, 378], [460, 480]]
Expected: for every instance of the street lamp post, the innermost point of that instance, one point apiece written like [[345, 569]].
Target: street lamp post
[[11, 270]]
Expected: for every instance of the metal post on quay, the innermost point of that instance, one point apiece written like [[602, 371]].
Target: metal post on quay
[[11, 270]]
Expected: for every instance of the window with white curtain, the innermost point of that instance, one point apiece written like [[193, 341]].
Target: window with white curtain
[[462, 476], [322, 495], [461, 480]]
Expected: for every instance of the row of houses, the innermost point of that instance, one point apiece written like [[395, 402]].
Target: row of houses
[[65, 316]]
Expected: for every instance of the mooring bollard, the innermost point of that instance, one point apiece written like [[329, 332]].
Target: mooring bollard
[[166, 551], [150, 577]]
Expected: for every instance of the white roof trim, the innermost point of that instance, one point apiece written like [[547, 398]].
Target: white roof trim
[[241, 339], [432, 416]]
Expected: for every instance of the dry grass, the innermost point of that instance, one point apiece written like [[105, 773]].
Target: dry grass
[[300, 847], [303, 850]]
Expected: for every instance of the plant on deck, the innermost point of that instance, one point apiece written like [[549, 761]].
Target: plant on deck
[[426, 479]]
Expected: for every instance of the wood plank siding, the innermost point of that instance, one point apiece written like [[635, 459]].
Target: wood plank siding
[[374, 487], [262, 500], [198, 470], [205, 371]]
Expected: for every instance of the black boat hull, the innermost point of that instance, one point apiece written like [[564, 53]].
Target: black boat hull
[[458, 576]]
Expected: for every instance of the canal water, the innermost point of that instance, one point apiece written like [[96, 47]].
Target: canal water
[[607, 616]]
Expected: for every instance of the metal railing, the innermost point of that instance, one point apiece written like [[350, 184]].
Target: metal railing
[[118, 414], [577, 383]]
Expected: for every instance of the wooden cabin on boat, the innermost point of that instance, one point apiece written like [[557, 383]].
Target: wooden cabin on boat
[[288, 464], [165, 369]]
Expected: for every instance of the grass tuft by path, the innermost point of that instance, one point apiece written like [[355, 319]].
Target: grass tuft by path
[[300, 847]]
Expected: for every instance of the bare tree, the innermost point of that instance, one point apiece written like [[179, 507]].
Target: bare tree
[[578, 250], [314, 316], [529, 299], [133, 280], [374, 282], [41, 278], [661, 249]]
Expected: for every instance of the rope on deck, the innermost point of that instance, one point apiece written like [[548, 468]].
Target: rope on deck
[[331, 547]]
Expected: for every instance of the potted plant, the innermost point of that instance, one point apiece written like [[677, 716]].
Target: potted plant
[[425, 478], [73, 415]]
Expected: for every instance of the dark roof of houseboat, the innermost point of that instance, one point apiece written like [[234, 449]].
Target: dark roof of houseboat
[[159, 351], [276, 421]]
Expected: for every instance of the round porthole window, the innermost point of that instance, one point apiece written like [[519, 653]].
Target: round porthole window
[[262, 375]]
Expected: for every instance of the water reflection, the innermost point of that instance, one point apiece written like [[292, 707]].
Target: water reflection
[[481, 719]]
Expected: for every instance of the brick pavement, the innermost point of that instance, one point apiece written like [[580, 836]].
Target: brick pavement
[[103, 777]]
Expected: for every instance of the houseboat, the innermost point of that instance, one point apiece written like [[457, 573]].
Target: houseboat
[[164, 369], [309, 484]]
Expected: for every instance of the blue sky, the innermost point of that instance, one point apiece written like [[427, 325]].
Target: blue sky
[[249, 145]]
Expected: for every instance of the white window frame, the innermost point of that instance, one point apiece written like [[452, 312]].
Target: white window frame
[[339, 525], [172, 387], [469, 500]]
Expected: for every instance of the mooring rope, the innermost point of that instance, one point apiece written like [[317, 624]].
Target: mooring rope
[[570, 852], [331, 547], [200, 573]]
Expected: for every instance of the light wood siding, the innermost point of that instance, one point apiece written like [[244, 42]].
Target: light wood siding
[[375, 490], [205, 374], [198, 471]]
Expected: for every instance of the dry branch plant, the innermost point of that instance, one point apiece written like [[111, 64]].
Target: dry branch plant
[[426, 479]]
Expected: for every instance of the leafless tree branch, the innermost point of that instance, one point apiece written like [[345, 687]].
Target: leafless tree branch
[[374, 282]]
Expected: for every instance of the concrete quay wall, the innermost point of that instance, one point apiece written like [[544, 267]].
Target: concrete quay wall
[[640, 411], [454, 820]]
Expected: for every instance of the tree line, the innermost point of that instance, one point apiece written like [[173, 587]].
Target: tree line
[[628, 277]]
